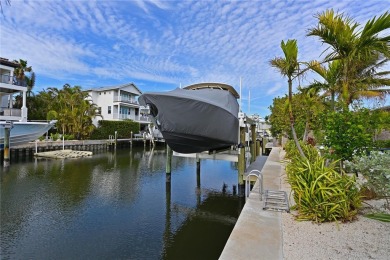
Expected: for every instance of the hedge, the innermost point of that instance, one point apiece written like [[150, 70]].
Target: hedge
[[106, 128]]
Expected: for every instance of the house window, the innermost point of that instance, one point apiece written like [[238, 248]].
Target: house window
[[109, 109], [100, 93]]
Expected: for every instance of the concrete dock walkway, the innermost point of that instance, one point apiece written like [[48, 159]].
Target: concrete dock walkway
[[258, 233]]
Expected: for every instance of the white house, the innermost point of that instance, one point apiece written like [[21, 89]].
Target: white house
[[10, 85], [118, 103]]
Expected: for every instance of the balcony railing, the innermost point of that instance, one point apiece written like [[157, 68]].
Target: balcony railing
[[125, 100], [132, 117], [5, 78], [10, 112]]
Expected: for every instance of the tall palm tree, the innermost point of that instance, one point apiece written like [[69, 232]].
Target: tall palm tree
[[356, 49], [288, 66], [20, 72], [331, 77]]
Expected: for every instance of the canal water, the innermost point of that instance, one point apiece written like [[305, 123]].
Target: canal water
[[117, 205]]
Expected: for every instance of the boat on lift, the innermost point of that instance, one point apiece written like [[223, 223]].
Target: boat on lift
[[197, 118], [24, 132]]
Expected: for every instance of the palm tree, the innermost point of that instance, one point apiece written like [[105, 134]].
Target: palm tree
[[356, 50], [331, 76], [20, 72], [289, 66]]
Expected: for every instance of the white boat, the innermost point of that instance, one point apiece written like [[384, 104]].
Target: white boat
[[23, 132], [200, 117], [15, 119]]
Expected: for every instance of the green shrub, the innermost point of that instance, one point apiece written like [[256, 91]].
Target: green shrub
[[69, 137], [292, 152], [382, 143], [321, 194], [107, 128], [375, 168], [55, 136]]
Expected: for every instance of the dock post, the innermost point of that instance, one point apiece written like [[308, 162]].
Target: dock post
[[262, 145], [131, 139], [253, 143], [197, 164], [168, 164], [241, 161], [258, 148], [198, 190], [116, 138], [7, 131]]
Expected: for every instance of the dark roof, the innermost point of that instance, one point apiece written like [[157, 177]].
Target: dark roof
[[215, 86], [6, 62]]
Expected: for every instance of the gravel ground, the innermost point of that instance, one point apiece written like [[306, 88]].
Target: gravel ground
[[363, 238]]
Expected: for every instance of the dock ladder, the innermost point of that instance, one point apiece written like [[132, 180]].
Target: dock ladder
[[273, 200], [259, 176]]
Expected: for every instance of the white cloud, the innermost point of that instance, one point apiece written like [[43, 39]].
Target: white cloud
[[167, 41]]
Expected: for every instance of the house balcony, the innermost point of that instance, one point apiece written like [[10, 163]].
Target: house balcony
[[143, 119], [12, 84], [10, 114], [126, 100]]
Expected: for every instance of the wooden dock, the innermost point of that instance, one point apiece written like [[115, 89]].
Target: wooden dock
[[64, 154]]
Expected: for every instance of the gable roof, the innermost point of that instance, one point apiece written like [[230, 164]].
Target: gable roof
[[99, 89]]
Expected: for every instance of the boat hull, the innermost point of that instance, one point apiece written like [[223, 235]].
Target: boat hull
[[24, 132], [193, 121]]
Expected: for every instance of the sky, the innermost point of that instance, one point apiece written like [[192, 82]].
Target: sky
[[161, 45]]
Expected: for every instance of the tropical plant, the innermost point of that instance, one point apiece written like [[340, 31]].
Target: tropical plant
[[331, 77], [322, 194], [72, 109], [292, 153], [307, 111], [360, 53], [289, 66], [20, 71], [348, 133], [375, 168]]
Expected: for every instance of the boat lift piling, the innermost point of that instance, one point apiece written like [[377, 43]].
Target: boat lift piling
[[241, 160], [7, 130], [168, 165], [253, 143]]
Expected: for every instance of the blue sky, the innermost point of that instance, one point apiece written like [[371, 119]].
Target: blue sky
[[160, 45]]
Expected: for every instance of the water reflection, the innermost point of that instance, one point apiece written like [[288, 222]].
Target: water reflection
[[113, 204]]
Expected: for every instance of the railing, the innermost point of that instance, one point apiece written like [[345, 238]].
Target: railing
[[125, 100], [10, 112], [144, 118], [135, 118], [259, 176], [123, 116], [5, 78]]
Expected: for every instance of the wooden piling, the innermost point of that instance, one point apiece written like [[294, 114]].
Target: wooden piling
[[253, 143], [168, 164], [241, 157], [6, 146]]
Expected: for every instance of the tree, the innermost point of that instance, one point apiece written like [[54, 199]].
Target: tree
[[349, 133], [72, 109], [20, 72], [289, 66], [359, 52], [24, 79], [331, 76]]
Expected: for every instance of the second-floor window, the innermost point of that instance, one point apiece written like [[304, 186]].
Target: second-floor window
[[109, 109]]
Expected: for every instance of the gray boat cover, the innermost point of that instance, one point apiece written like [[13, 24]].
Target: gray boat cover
[[195, 120]]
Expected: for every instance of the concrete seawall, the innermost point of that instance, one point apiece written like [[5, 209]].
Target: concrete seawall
[[258, 233]]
